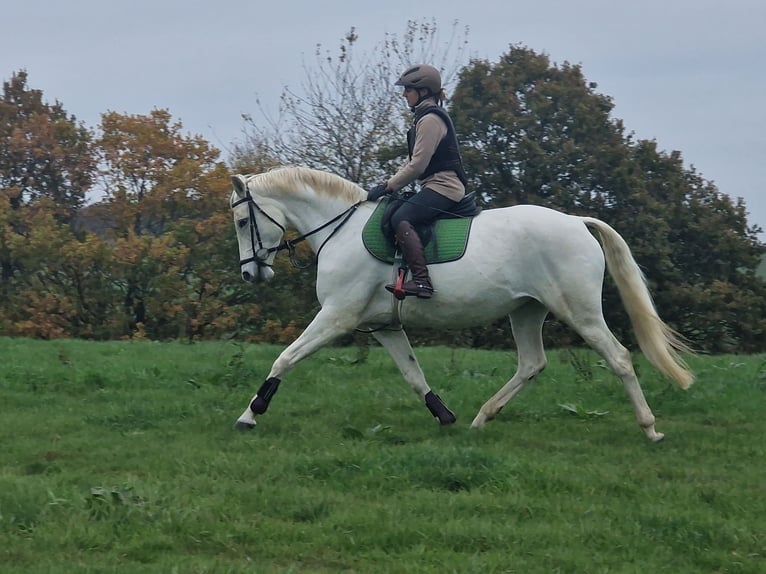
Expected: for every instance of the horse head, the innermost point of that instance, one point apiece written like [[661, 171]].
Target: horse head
[[260, 226], [313, 203]]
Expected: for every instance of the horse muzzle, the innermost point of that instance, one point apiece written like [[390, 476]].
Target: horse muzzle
[[257, 273], [256, 269]]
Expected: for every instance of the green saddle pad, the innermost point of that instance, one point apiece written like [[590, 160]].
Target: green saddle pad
[[447, 243]]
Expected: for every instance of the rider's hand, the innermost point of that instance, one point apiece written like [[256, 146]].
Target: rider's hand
[[377, 192]]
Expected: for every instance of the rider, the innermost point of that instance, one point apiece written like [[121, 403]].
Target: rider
[[434, 160]]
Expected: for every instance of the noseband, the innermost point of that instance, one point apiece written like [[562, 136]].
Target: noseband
[[261, 254]]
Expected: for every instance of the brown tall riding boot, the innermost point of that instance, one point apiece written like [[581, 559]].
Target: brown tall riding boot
[[409, 241]]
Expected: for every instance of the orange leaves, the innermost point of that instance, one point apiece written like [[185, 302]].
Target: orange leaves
[[43, 152], [155, 258], [48, 315]]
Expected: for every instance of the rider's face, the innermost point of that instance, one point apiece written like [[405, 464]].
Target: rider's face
[[412, 96]]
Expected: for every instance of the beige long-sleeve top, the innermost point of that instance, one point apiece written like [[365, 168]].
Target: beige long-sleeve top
[[430, 130]]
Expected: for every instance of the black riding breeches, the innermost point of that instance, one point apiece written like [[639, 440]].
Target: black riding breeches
[[423, 207]]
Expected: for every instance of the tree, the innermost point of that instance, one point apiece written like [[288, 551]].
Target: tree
[[155, 258], [45, 159], [347, 113], [535, 133], [166, 199], [538, 133], [151, 173], [706, 276], [60, 290], [44, 153]]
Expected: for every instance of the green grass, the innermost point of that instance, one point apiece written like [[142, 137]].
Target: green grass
[[122, 458]]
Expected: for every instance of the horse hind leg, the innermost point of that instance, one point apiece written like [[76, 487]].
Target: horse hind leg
[[601, 339], [527, 327]]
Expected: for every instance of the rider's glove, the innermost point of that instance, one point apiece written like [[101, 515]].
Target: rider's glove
[[377, 192]]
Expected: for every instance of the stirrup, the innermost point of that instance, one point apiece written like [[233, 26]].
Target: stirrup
[[410, 289], [397, 288]]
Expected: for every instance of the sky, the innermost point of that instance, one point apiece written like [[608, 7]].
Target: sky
[[686, 73]]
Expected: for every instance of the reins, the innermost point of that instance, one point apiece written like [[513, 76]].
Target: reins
[[262, 253]]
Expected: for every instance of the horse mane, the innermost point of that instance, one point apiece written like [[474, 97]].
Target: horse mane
[[290, 179]]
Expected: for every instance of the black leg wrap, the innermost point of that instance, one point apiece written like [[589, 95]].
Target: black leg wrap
[[262, 398], [438, 409]]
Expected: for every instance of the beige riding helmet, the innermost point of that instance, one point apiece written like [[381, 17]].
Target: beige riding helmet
[[421, 76]]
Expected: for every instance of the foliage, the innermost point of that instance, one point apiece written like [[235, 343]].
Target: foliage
[[44, 153], [535, 133], [147, 261], [58, 294], [538, 133], [120, 457], [156, 257], [46, 163], [153, 175]]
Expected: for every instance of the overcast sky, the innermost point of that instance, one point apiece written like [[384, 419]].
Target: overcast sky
[[687, 73]]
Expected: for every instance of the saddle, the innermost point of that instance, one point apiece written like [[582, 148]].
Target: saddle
[[443, 240]]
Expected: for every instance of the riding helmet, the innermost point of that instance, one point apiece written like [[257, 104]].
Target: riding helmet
[[421, 76]]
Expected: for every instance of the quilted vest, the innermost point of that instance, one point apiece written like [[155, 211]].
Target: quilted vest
[[447, 154]]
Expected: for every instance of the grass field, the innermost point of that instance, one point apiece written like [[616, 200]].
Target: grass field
[[122, 458]]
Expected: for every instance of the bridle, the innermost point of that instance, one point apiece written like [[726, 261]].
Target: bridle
[[261, 254]]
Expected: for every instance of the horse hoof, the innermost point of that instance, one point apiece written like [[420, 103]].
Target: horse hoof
[[657, 437], [244, 426], [447, 418], [652, 434], [480, 420]]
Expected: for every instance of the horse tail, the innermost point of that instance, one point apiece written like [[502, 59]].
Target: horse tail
[[660, 343]]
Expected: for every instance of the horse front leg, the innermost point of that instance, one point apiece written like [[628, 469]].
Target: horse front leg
[[325, 327], [398, 346]]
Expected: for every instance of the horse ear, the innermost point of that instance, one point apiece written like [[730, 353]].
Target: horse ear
[[240, 185]]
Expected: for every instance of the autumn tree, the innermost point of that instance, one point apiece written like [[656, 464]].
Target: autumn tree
[[44, 152], [151, 173], [65, 288], [156, 257], [166, 196]]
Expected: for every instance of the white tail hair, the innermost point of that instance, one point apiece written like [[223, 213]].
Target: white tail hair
[[660, 344]]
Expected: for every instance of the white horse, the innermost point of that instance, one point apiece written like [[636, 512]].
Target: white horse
[[523, 261]]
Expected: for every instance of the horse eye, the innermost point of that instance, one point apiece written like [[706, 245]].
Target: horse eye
[[242, 222]]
